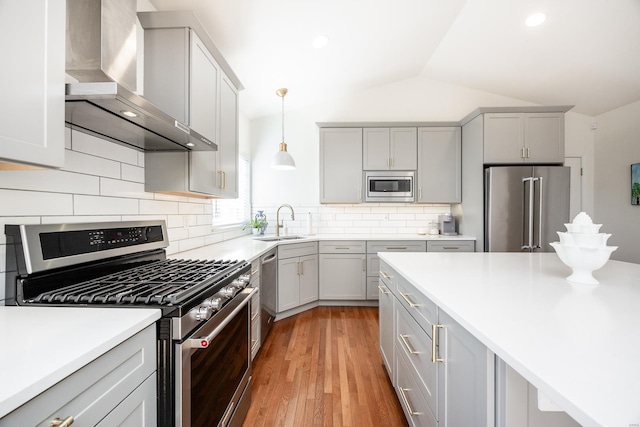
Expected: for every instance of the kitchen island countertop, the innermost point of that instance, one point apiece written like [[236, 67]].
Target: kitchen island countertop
[[43, 345], [578, 344]]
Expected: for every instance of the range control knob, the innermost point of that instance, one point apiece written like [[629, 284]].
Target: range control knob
[[228, 291], [214, 303], [202, 312]]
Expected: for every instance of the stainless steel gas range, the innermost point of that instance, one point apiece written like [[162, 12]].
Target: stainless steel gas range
[[203, 346]]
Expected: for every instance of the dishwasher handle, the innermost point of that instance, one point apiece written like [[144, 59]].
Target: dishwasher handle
[[269, 259]]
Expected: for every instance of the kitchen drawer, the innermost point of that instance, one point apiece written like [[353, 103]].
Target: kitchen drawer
[[388, 277], [413, 403], [373, 265], [343, 247], [451, 246], [90, 393], [416, 345], [376, 246], [297, 249], [421, 308]]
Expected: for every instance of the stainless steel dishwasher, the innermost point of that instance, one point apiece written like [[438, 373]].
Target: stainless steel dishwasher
[[268, 291]]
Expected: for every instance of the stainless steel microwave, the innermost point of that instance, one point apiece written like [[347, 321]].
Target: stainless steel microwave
[[390, 186]]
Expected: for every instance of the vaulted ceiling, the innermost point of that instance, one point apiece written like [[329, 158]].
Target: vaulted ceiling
[[587, 53]]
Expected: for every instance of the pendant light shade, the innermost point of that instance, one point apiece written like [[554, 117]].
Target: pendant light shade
[[283, 160]]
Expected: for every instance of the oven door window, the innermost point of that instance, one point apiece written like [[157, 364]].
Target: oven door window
[[217, 371]]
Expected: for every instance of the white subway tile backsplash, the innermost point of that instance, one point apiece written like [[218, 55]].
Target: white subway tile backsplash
[[188, 244], [91, 165], [132, 173], [96, 205], [32, 203], [177, 234], [190, 208], [118, 188], [95, 146], [80, 218], [55, 181], [158, 207], [199, 230]]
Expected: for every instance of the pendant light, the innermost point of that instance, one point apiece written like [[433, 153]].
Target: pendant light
[[283, 160]]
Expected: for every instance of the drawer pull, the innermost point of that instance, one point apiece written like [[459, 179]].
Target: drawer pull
[[451, 247], [254, 272], [57, 422], [407, 345], [383, 290], [385, 275], [411, 303], [396, 247], [406, 401], [342, 247], [254, 316], [434, 340]]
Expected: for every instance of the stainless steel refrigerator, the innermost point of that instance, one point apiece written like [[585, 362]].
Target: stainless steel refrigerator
[[524, 207]]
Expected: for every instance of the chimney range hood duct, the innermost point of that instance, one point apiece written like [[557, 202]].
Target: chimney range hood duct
[[101, 56]]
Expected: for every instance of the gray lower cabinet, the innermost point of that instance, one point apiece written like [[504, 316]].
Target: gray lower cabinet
[[373, 262], [297, 275], [443, 375], [254, 282], [118, 388], [343, 270], [341, 165], [386, 322]]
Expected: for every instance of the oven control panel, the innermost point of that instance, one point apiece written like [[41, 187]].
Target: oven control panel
[[59, 244]]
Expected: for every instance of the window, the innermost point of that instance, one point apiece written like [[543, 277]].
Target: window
[[228, 212]]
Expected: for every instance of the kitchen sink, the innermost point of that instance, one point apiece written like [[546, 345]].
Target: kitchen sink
[[278, 238]]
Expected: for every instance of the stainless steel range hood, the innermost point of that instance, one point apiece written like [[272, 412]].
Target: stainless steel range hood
[[101, 57]]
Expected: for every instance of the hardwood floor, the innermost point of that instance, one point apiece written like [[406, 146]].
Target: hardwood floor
[[323, 368]]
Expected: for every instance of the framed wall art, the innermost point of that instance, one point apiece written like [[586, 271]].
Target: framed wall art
[[635, 184]]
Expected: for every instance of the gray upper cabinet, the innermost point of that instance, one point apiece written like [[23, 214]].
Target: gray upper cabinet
[[341, 165], [523, 138], [183, 78], [32, 120], [439, 165], [389, 148]]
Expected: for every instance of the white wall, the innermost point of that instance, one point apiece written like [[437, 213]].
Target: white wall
[[617, 146], [419, 99]]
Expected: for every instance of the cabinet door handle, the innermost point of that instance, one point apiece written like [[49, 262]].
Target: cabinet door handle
[[522, 153], [406, 401], [254, 272], [528, 153], [411, 303], [224, 180], [385, 275], [254, 316], [383, 290], [420, 193], [57, 422], [434, 339], [298, 267], [407, 345], [301, 268]]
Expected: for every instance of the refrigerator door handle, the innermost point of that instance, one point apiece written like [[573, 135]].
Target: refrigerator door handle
[[527, 240], [538, 179]]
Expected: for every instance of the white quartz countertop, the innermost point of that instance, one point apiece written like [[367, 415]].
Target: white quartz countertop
[[249, 248], [578, 344], [43, 345]]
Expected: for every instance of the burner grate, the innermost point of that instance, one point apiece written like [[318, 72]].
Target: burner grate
[[163, 282]]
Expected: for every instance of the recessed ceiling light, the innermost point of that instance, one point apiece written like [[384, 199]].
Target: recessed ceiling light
[[129, 113], [320, 42], [190, 144], [535, 19]]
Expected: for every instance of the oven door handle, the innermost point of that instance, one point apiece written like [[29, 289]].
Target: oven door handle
[[204, 342]]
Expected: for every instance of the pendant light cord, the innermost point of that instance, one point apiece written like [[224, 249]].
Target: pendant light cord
[[282, 118]]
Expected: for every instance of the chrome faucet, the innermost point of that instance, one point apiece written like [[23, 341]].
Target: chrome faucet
[[278, 225]]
